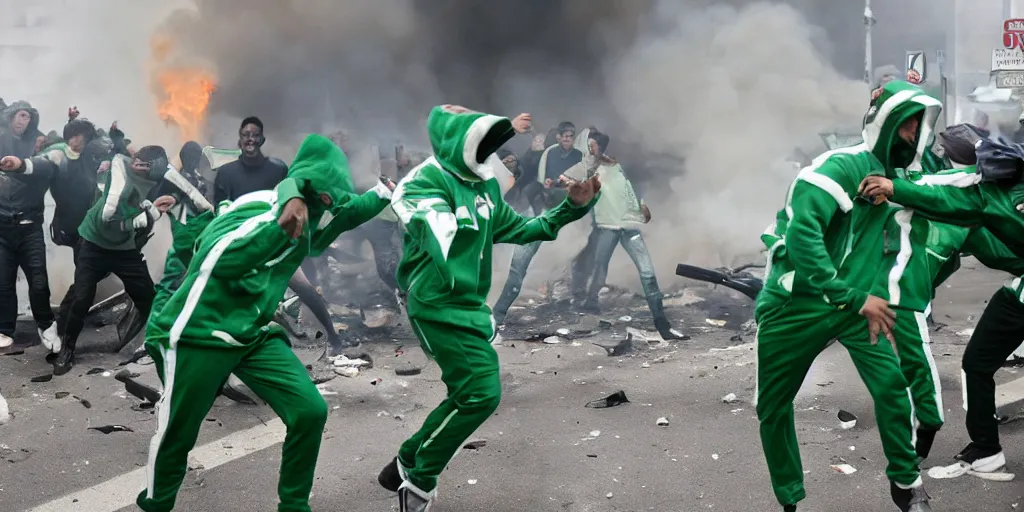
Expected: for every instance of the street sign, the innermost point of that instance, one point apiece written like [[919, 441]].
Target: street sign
[[1007, 59], [916, 67], [1013, 33], [1009, 79]]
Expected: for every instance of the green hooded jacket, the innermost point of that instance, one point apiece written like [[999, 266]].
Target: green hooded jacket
[[452, 211], [112, 221], [829, 242], [242, 261]]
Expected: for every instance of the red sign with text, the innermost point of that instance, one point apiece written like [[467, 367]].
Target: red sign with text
[[1013, 33]]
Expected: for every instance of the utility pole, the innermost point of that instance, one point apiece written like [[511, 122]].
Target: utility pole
[[869, 20]]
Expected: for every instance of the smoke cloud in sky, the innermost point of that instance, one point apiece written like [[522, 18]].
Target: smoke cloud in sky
[[730, 87]]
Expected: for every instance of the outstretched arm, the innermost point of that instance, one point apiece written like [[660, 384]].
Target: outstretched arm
[[358, 210], [191, 192], [953, 197]]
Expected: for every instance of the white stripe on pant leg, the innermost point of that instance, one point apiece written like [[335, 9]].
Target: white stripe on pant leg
[[913, 418], [757, 372], [163, 417], [963, 386], [926, 341]]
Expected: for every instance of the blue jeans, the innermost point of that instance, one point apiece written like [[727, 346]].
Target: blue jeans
[[521, 259], [604, 242]]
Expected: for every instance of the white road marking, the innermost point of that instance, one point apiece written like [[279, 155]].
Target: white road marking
[[121, 491], [1009, 393]]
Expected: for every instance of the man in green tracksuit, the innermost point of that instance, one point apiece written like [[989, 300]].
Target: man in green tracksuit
[[960, 196], [817, 289], [219, 321], [452, 210]]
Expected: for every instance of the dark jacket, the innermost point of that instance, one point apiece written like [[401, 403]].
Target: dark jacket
[[235, 179]]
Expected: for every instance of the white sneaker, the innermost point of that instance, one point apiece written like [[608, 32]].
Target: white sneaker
[[989, 464], [6, 341], [49, 338]]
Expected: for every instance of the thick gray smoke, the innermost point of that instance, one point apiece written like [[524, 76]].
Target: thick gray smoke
[[731, 89]]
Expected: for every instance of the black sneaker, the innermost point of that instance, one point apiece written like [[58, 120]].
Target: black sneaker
[[390, 477], [789, 508], [982, 460], [65, 361], [411, 499]]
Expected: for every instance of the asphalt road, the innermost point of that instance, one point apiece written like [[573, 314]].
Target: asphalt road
[[544, 451]]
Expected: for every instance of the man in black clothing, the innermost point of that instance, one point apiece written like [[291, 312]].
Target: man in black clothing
[[19, 131], [22, 243], [252, 171], [559, 158]]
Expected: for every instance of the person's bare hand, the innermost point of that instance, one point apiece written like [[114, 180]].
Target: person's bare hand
[[876, 188], [164, 203], [104, 167], [523, 123], [293, 218], [881, 319], [73, 113], [581, 193], [644, 209], [10, 163]]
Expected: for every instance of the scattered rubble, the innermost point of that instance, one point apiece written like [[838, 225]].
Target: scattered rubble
[[347, 371], [847, 420], [408, 370], [662, 422], [5, 413], [730, 398], [845, 469], [42, 378], [475, 445], [137, 389], [714, 322], [110, 429], [615, 399], [616, 348]]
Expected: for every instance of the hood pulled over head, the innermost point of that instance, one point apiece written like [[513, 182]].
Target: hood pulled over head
[[897, 102], [463, 140], [190, 155], [321, 168], [32, 131]]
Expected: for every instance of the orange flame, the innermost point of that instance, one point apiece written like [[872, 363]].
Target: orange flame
[[183, 92]]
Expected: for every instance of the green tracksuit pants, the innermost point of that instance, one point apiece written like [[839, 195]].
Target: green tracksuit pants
[[174, 269], [790, 335], [192, 376], [918, 366], [469, 368]]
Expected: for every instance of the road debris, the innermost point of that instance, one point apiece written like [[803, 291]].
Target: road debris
[[955, 470], [616, 348], [137, 389], [61, 394], [346, 371], [326, 391], [625, 318], [845, 469], [5, 412], [408, 370], [715, 322], [471, 481], [552, 340], [42, 378], [609, 495], [110, 429], [562, 332], [714, 456], [662, 422], [730, 398], [615, 399], [475, 445], [95, 371], [847, 420], [85, 403]]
